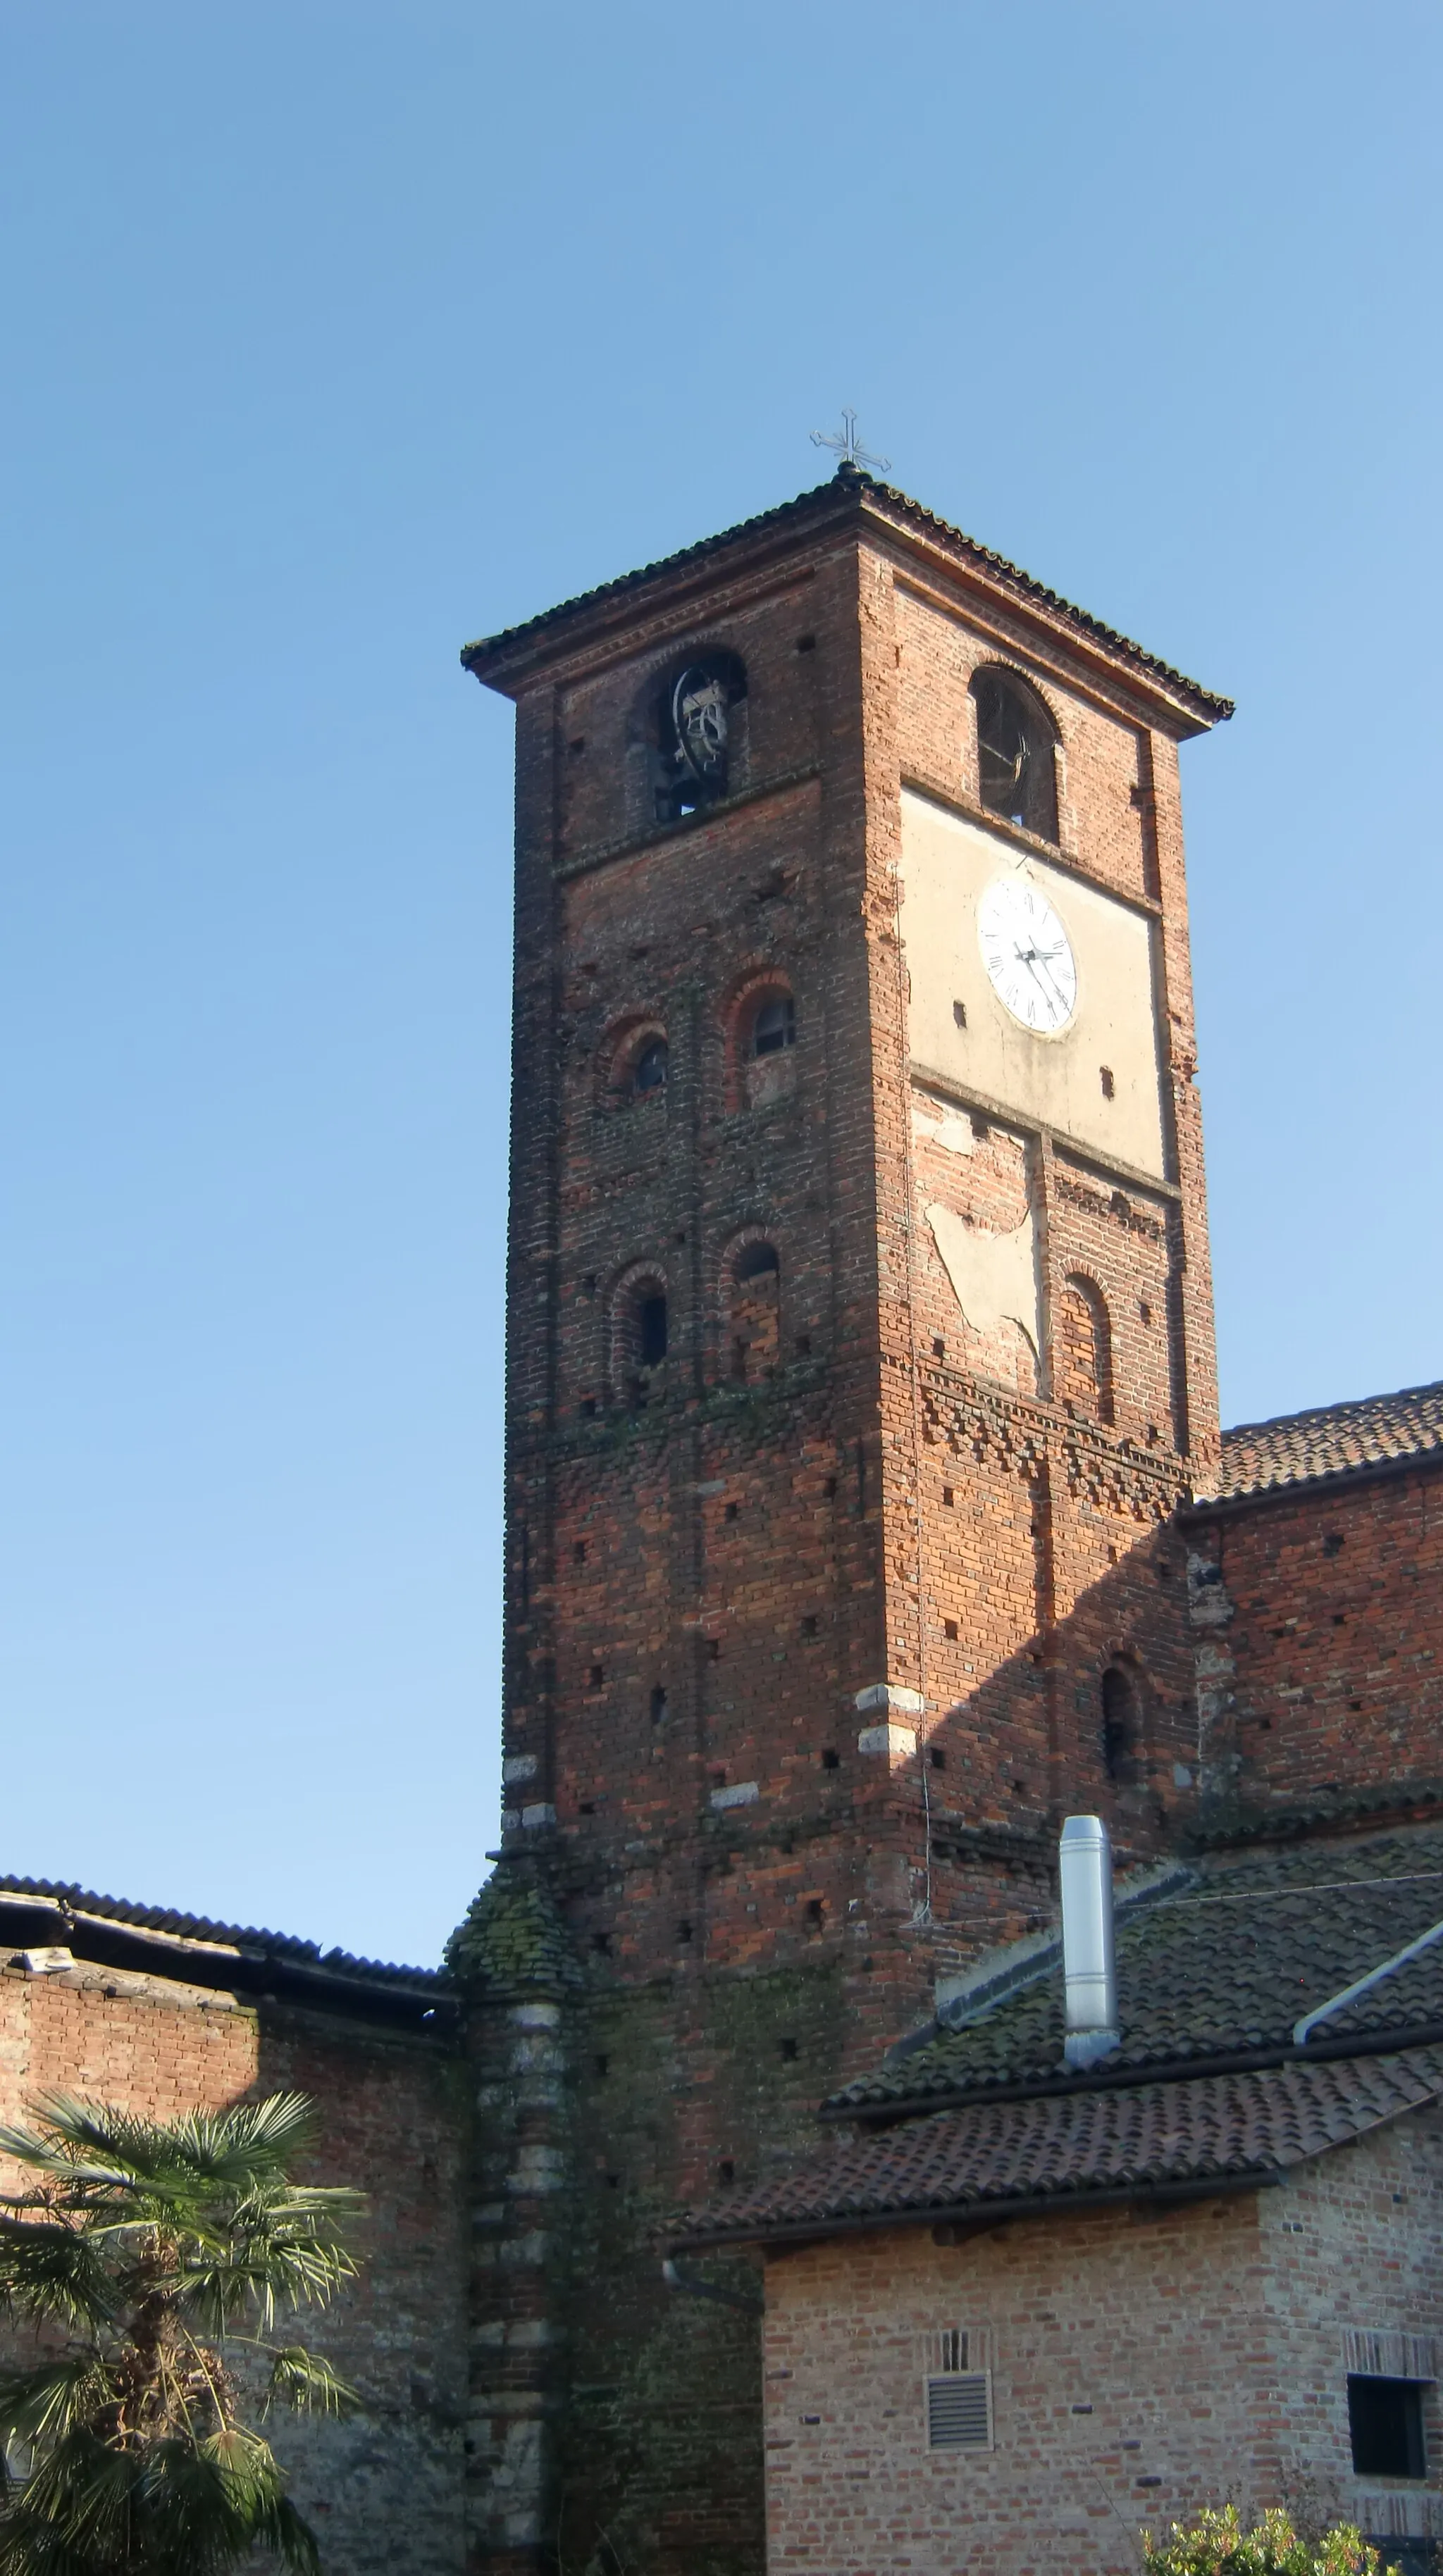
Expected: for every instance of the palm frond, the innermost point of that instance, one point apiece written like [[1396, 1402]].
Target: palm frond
[[48, 2270], [54, 2398], [306, 2381]]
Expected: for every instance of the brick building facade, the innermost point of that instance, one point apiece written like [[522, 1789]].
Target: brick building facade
[[866, 1503]]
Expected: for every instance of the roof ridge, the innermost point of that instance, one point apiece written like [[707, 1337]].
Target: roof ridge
[[1343, 1404], [853, 488], [201, 1928]]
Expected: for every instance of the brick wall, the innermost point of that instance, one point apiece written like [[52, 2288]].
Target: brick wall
[[802, 1659], [384, 2488], [1318, 1620], [1143, 2366]]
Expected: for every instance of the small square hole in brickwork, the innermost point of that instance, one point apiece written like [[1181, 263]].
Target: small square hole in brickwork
[[598, 1675], [939, 1350], [959, 1014], [601, 1944], [1340, 1618], [1144, 1310], [1163, 1569], [830, 1489], [947, 1496], [789, 2050], [613, 2182], [1112, 1556], [601, 2065], [683, 1931], [681, 1238], [809, 1625], [579, 744], [814, 1909], [804, 1346], [589, 1283], [578, 1553], [1355, 1705], [1019, 1788], [806, 643], [1109, 1082], [949, 1628], [831, 1761], [1332, 1542], [713, 1650], [658, 1706], [937, 1757], [587, 1408], [730, 1513], [588, 1807], [981, 1130], [726, 2170]]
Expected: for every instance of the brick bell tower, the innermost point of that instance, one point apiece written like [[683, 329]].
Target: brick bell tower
[[860, 1344]]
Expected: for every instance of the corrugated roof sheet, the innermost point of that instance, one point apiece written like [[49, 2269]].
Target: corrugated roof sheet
[[1331, 1440], [199, 1927], [834, 495], [1226, 1961], [1193, 2130]]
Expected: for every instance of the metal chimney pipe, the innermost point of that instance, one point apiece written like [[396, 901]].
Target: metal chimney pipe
[[1084, 1862]]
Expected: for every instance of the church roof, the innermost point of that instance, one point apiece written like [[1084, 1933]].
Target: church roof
[[161, 1940], [1270, 2009], [847, 494], [1330, 1440], [1216, 1961], [1245, 2129]]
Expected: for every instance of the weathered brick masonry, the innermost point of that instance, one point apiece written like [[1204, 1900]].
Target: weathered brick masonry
[[162, 2021], [1145, 2363], [866, 1512], [815, 1560]]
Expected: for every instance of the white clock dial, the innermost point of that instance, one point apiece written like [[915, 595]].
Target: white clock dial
[[1027, 956]]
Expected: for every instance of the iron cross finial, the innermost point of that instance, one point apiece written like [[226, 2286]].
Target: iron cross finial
[[846, 446]]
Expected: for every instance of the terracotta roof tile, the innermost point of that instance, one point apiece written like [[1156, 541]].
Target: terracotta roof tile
[[199, 1929], [1331, 1440], [844, 491], [1146, 2135], [1225, 1958]]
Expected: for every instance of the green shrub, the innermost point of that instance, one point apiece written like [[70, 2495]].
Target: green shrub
[[1217, 2545]]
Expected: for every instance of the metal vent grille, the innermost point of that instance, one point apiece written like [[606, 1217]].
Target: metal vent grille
[[959, 2411]]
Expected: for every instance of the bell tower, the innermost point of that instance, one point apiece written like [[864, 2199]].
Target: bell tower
[[860, 1345]]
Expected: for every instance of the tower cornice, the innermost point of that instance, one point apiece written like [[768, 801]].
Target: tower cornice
[[512, 660]]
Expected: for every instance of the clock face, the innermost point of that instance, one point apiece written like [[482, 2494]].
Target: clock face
[[1026, 953]]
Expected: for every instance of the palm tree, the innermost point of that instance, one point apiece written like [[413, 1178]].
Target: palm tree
[[154, 2260]]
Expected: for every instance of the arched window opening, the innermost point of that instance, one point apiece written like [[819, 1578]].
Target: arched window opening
[[651, 1330], [1016, 762], [755, 1320], [649, 1072], [698, 732], [775, 1025], [1121, 1725], [1082, 1352], [641, 1337]]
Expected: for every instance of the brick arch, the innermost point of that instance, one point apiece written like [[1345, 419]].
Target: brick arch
[[1036, 698], [622, 1041], [751, 1305], [628, 1369], [758, 983], [1123, 1713], [1082, 1362]]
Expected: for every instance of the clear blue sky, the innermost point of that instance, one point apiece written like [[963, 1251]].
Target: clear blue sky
[[336, 334]]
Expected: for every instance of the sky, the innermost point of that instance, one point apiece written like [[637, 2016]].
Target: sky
[[338, 333]]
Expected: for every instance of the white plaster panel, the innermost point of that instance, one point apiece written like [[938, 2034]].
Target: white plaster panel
[[994, 1276], [1053, 1082]]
